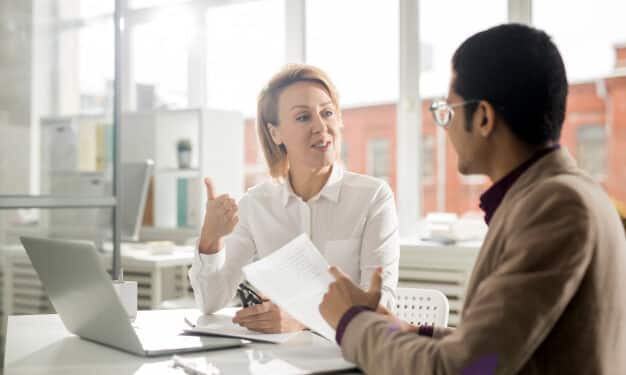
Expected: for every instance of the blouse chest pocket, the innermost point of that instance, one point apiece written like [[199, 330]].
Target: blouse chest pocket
[[346, 255]]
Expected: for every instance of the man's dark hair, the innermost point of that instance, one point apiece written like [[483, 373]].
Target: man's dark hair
[[519, 70]]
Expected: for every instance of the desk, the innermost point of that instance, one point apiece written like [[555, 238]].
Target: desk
[[39, 344]]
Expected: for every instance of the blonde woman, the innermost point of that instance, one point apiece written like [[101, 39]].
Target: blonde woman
[[351, 218]]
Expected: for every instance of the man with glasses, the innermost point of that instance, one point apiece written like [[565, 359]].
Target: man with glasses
[[548, 291]]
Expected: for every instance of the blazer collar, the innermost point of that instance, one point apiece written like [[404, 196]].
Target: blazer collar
[[557, 162], [490, 200]]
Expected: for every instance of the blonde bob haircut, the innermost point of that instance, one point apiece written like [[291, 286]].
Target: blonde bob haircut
[[267, 112]]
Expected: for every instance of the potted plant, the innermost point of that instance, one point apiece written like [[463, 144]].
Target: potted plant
[[183, 146]]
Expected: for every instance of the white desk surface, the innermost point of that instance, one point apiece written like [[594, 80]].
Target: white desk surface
[[40, 344]]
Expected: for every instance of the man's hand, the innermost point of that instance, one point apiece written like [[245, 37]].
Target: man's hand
[[267, 318], [222, 214], [343, 294]]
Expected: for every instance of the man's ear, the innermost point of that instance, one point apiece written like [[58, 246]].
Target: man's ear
[[485, 118], [275, 134]]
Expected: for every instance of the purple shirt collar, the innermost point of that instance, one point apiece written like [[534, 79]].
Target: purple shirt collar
[[490, 200]]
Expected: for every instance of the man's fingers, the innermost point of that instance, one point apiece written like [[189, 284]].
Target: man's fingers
[[337, 272], [210, 189], [377, 280], [383, 310]]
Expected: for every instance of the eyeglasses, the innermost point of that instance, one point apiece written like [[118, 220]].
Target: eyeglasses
[[444, 112]]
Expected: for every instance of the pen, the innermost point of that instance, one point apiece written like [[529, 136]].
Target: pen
[[189, 323], [191, 369], [247, 295]]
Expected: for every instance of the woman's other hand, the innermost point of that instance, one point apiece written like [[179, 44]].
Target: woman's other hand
[[267, 318]]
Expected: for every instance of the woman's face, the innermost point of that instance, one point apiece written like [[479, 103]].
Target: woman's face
[[308, 125]]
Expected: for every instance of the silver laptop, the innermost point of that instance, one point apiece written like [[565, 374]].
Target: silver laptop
[[82, 294]]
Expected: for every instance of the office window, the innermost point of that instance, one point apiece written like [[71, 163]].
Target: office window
[[57, 73], [591, 149], [138, 4], [428, 158], [345, 153], [439, 39], [356, 43], [85, 69], [160, 59], [438, 42], [96, 70], [378, 158], [592, 41], [245, 47], [81, 9], [83, 55], [587, 37]]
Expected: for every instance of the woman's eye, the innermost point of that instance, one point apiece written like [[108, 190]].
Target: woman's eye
[[328, 113], [302, 117]]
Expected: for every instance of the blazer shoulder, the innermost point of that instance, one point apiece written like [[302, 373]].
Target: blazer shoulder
[[565, 188], [557, 196]]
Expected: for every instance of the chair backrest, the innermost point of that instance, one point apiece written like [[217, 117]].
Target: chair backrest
[[422, 307]]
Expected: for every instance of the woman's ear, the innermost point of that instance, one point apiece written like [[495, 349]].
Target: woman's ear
[[486, 118], [275, 134]]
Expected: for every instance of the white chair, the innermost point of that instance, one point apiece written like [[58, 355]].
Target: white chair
[[422, 307]]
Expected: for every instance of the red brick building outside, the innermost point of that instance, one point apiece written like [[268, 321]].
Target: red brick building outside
[[594, 132]]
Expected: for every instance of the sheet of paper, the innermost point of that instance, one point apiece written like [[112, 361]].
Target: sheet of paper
[[220, 324], [295, 277]]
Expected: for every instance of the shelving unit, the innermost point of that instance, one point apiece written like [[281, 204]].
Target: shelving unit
[[76, 160], [216, 139]]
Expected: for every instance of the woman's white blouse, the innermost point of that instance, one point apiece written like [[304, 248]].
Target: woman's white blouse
[[352, 221]]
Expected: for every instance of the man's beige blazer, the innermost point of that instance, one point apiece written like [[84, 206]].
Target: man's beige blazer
[[547, 294]]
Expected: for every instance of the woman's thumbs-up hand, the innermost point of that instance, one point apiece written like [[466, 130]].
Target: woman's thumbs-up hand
[[222, 214]]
